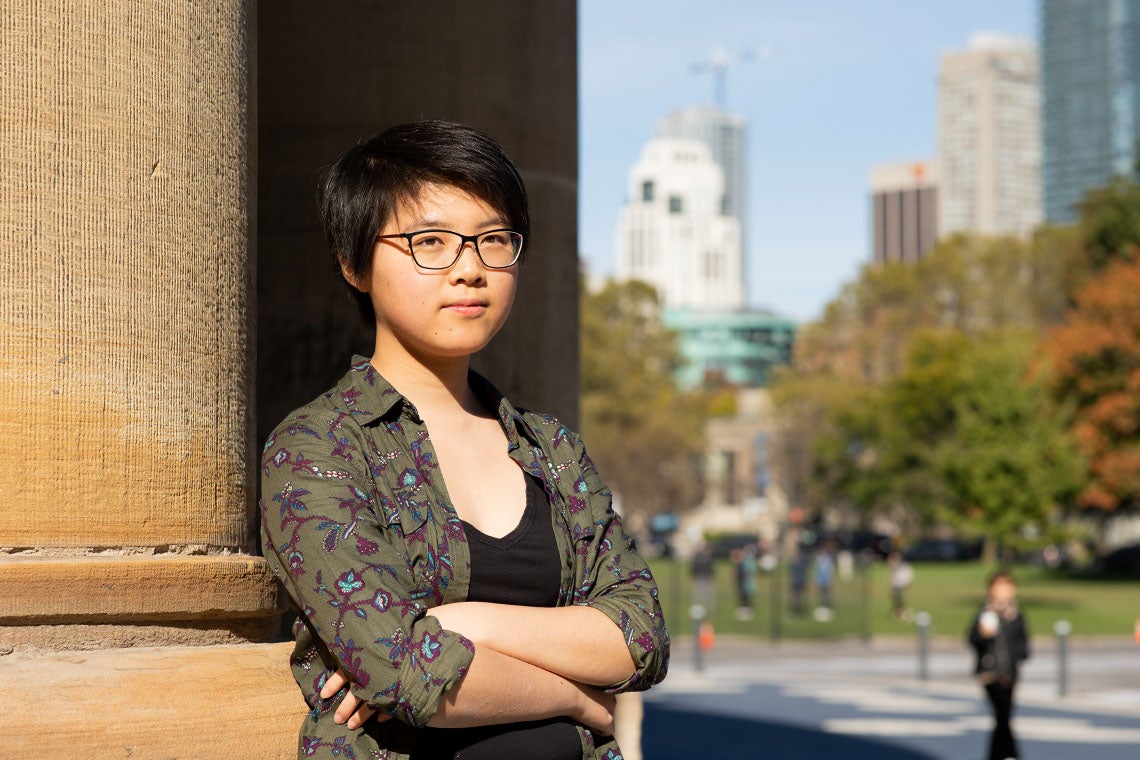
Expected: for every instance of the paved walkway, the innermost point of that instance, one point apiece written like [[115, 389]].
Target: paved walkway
[[850, 700]]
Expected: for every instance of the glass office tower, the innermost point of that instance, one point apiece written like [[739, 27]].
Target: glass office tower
[[1090, 71]]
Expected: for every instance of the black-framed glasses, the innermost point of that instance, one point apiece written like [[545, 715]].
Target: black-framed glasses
[[440, 249]]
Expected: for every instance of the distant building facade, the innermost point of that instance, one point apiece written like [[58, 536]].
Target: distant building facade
[[989, 154], [737, 348], [904, 211], [725, 134], [1090, 118], [674, 232]]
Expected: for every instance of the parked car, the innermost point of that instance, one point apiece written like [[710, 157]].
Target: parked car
[[723, 545], [1122, 561], [877, 544], [661, 530], [943, 550], [857, 542]]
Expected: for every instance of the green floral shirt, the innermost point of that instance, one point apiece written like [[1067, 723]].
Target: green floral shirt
[[357, 525]]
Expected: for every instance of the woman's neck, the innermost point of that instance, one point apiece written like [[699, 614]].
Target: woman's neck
[[436, 386]]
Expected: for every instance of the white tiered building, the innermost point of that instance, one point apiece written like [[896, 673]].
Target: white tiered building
[[675, 231]]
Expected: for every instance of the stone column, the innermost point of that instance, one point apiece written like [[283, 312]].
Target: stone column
[[126, 154], [127, 393]]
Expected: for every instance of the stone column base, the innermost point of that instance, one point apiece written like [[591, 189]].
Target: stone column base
[[95, 602], [219, 702]]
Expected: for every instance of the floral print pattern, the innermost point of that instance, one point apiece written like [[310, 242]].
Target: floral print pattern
[[356, 525]]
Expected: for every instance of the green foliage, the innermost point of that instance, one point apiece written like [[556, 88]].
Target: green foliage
[[1110, 223], [967, 283], [1005, 455], [645, 435], [909, 398]]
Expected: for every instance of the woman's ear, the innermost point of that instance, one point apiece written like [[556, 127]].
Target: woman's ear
[[360, 282]]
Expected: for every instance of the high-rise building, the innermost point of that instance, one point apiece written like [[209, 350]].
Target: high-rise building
[[724, 133], [1090, 71], [904, 211], [989, 152], [674, 232]]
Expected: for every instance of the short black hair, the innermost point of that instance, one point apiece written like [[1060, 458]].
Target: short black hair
[[1000, 575], [362, 190]]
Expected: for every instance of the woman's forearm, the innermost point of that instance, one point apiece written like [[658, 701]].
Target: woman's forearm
[[579, 643], [498, 688]]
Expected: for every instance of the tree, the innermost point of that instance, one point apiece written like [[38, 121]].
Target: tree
[[811, 449], [972, 284], [1005, 455], [645, 435], [1096, 367], [1109, 223]]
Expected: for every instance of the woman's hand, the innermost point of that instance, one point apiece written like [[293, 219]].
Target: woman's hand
[[596, 710], [352, 710]]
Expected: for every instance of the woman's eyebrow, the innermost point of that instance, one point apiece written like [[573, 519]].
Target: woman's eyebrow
[[435, 223]]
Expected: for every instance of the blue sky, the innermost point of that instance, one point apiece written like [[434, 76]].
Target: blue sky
[[849, 84]]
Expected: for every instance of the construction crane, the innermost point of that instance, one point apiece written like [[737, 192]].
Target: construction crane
[[719, 61]]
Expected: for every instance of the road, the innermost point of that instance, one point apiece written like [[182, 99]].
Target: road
[[850, 700]]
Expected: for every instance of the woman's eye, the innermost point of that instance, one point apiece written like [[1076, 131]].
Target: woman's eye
[[494, 238], [427, 241]]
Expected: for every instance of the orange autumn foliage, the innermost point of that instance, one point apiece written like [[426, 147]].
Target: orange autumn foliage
[[1095, 359]]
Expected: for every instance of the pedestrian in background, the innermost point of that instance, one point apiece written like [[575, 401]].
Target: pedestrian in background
[[797, 580], [824, 579], [998, 636], [900, 577], [704, 589], [744, 566]]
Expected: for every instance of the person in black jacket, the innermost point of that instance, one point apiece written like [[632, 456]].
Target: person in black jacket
[[999, 638]]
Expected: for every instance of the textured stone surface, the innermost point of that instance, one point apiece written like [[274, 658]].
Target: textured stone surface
[[73, 637], [110, 589], [171, 702], [126, 276]]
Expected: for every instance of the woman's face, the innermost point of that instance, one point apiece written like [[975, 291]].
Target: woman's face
[[438, 313], [1003, 591]]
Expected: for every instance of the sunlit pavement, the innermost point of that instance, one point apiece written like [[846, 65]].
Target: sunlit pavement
[[850, 700]]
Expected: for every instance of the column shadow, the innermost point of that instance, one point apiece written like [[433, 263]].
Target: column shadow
[[671, 734]]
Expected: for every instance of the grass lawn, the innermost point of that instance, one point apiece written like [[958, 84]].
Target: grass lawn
[[950, 592]]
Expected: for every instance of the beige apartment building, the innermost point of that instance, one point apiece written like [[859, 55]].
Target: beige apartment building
[[989, 137]]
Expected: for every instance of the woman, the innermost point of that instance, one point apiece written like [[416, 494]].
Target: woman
[[460, 580], [1001, 644]]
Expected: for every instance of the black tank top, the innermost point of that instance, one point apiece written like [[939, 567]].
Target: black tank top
[[522, 567]]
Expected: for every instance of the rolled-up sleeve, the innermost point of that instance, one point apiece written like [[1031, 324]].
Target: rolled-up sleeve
[[341, 556], [616, 580]]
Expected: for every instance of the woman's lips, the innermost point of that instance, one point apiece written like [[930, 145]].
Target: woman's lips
[[466, 308]]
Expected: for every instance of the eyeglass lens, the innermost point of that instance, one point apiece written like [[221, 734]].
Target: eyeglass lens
[[438, 249]]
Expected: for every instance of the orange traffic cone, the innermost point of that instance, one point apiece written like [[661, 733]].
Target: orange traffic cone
[[705, 637]]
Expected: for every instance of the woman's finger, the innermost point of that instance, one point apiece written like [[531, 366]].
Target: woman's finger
[[347, 707], [335, 683], [363, 713]]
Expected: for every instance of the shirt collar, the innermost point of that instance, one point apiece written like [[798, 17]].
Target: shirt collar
[[364, 393]]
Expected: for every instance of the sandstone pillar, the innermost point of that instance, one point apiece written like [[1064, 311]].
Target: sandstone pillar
[[126, 157], [130, 582]]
